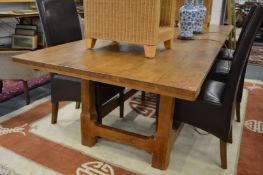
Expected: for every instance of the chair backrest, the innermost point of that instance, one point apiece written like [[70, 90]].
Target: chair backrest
[[59, 20], [241, 56], [245, 25]]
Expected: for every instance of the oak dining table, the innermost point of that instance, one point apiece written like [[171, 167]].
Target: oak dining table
[[177, 73]]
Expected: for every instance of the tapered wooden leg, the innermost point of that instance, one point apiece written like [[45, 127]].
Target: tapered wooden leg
[[77, 105], [121, 98], [88, 114], [168, 44], [26, 92], [230, 137], [149, 51], [143, 95], [163, 143], [54, 116], [91, 43], [238, 111], [223, 154]]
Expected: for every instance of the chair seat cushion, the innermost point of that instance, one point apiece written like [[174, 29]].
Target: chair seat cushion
[[226, 54], [212, 92], [105, 92], [206, 112], [221, 67], [64, 88]]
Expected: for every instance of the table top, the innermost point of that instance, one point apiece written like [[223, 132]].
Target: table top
[[178, 72]]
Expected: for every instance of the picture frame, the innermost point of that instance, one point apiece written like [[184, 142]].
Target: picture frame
[[24, 42]]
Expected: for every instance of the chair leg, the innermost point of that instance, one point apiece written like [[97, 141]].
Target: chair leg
[[143, 95], [77, 105], [1, 86], [238, 111], [230, 137], [121, 98], [223, 154], [54, 117], [99, 117], [26, 92]]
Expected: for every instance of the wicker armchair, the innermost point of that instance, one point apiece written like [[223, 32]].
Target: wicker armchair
[[146, 22], [207, 3]]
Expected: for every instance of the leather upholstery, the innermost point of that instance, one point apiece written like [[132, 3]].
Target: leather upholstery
[[104, 92], [222, 67], [220, 70], [226, 54], [65, 88], [60, 21], [213, 110], [61, 25], [212, 92]]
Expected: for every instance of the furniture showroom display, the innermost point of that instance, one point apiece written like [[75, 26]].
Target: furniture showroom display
[[123, 65]]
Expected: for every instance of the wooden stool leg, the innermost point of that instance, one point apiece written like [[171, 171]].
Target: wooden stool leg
[[149, 51], [88, 114], [91, 43], [77, 105], [238, 111], [168, 44], [162, 148], [26, 92], [223, 154], [121, 98], [54, 116]]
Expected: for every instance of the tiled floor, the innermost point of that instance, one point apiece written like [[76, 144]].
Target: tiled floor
[[253, 72]]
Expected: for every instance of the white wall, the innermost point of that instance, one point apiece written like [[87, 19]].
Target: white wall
[[216, 11]]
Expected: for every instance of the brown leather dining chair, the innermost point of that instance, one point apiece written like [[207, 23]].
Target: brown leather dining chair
[[213, 110], [61, 25], [221, 68]]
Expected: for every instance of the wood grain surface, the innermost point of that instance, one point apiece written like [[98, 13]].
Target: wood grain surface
[[178, 72]]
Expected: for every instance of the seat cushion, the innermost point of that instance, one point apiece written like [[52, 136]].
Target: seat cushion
[[226, 54], [105, 92], [64, 88], [212, 92], [221, 67]]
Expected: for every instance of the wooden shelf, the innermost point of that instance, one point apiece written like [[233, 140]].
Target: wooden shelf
[[10, 1]]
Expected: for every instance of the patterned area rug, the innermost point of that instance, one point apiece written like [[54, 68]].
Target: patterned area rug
[[251, 153], [14, 88], [29, 144], [256, 55]]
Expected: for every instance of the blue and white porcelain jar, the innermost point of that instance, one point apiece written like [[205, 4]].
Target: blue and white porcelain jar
[[200, 16], [187, 19]]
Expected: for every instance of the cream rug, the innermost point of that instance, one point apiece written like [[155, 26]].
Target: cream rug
[[192, 154]]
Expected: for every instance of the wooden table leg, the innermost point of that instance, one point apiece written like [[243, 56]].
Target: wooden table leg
[[164, 134], [88, 114]]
